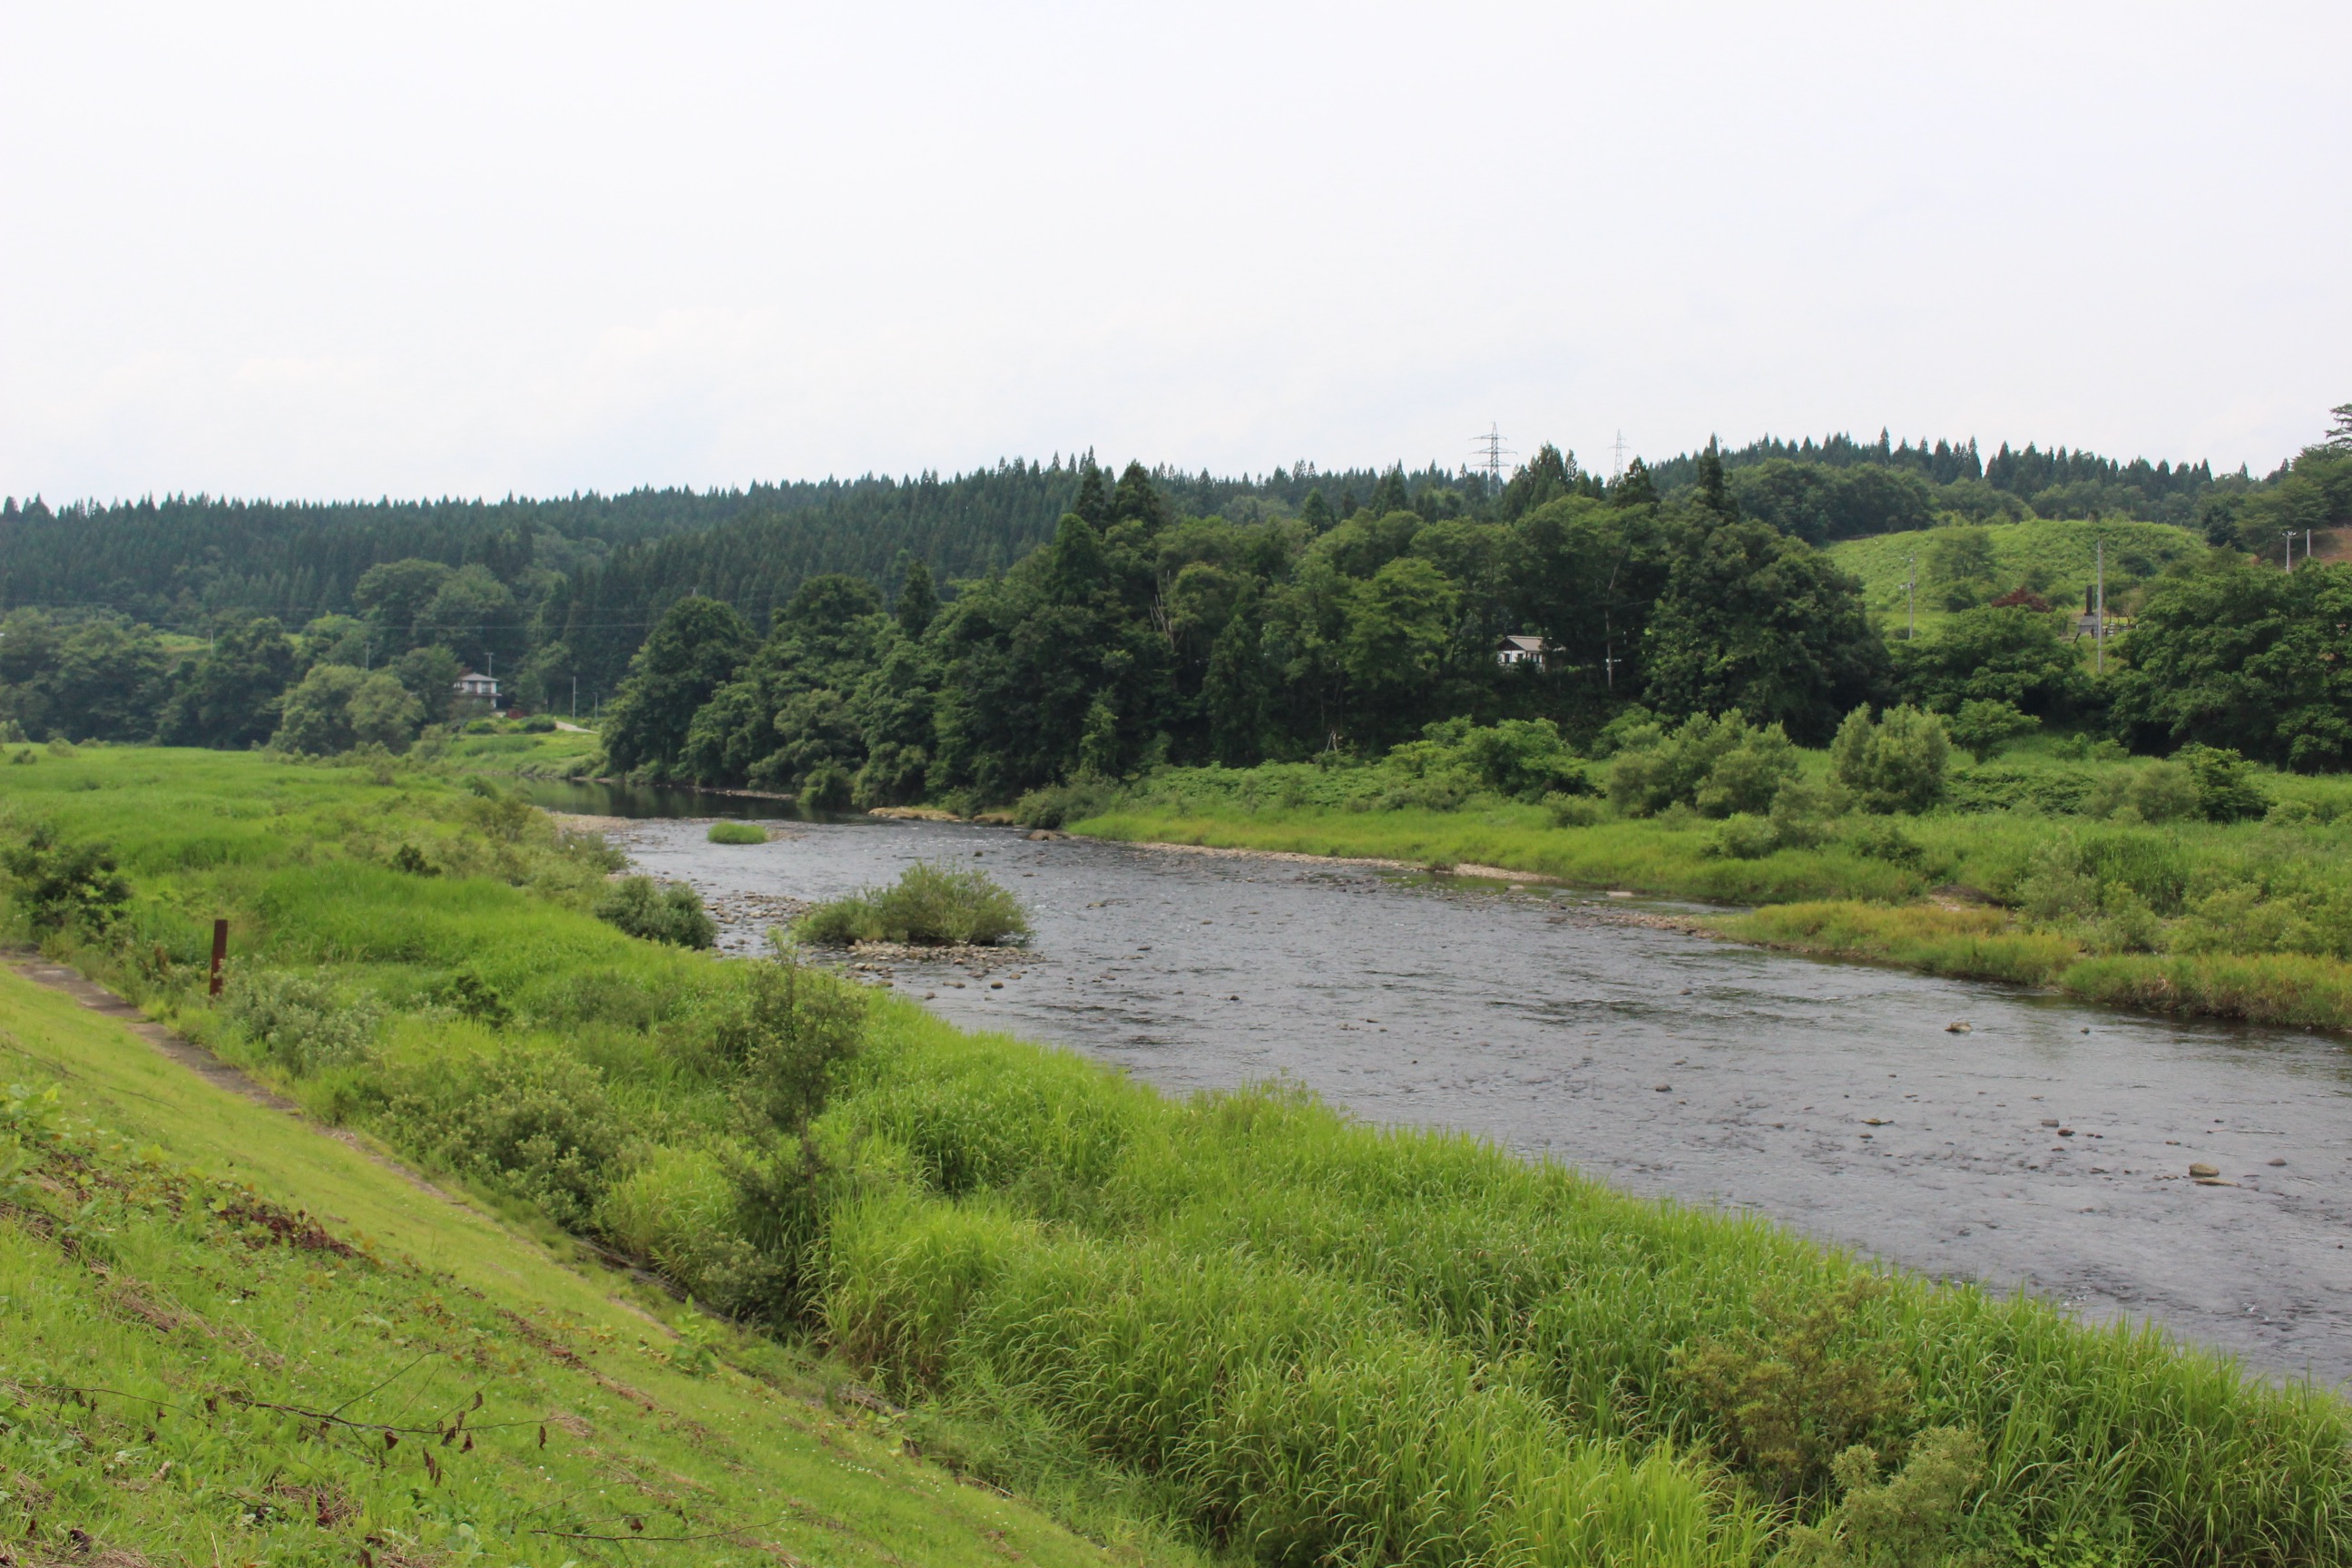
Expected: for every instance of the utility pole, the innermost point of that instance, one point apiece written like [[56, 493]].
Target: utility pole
[[575, 700], [1911, 601], [2099, 614], [2290, 550], [1490, 453]]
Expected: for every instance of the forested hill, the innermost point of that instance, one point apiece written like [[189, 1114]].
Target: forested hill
[[183, 562], [1899, 478], [189, 558], [971, 525]]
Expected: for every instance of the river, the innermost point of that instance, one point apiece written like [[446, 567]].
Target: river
[[2045, 1148]]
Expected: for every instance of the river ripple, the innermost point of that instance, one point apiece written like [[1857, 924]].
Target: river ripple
[[1675, 1066]]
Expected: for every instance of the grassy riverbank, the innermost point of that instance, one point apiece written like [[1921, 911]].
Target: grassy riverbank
[[2246, 919], [1237, 1321], [213, 1316]]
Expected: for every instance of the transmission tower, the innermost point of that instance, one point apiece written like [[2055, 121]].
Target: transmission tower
[[1490, 453], [1618, 452]]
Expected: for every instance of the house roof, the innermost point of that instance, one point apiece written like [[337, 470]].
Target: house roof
[[1530, 644]]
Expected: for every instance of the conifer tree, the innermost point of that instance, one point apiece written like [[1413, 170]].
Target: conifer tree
[[1315, 513], [1634, 487], [1092, 504], [1713, 493], [918, 601]]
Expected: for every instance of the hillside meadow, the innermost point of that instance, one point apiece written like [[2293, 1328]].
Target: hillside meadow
[[1238, 1325]]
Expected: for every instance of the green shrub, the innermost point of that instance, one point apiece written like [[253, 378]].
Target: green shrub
[[536, 1123], [2153, 792], [1743, 837], [299, 1021], [1790, 1398], [737, 832], [1913, 1520], [1889, 842], [927, 906], [2227, 789], [1749, 776], [538, 724], [1573, 810], [2007, 788], [1894, 765], [1523, 757], [1055, 806], [780, 1034], [60, 885], [1984, 728], [467, 995], [1718, 766], [673, 914]]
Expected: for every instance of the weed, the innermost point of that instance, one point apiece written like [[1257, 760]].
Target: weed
[[300, 1021], [928, 905], [672, 914], [737, 832], [1787, 1403], [1908, 1520], [61, 885]]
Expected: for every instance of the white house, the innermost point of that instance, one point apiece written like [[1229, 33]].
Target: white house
[[481, 686], [1515, 649]]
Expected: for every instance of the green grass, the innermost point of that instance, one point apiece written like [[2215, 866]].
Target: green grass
[[2058, 554], [135, 1265], [927, 906], [509, 749], [1239, 1322], [737, 832]]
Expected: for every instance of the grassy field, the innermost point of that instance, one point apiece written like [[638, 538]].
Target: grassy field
[[2056, 558], [1238, 1325]]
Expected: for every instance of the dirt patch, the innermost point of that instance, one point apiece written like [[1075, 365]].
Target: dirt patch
[[581, 822], [1222, 852]]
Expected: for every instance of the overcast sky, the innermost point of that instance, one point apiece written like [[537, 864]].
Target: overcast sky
[[322, 250]]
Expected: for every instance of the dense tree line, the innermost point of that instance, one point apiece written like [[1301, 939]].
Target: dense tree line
[[1140, 635], [590, 572], [1844, 488], [1005, 628]]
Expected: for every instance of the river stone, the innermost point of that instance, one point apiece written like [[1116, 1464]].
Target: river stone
[[1959, 1027], [2201, 1170]]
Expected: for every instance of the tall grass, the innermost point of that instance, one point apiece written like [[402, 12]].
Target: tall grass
[[927, 906], [1188, 1279], [1289, 1337]]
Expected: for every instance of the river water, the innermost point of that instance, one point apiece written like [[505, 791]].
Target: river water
[[2045, 1148]]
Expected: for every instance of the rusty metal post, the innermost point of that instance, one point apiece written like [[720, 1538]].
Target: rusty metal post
[[220, 952]]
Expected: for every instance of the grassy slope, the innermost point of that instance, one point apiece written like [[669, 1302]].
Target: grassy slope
[[1240, 1318], [2061, 553], [447, 1302]]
